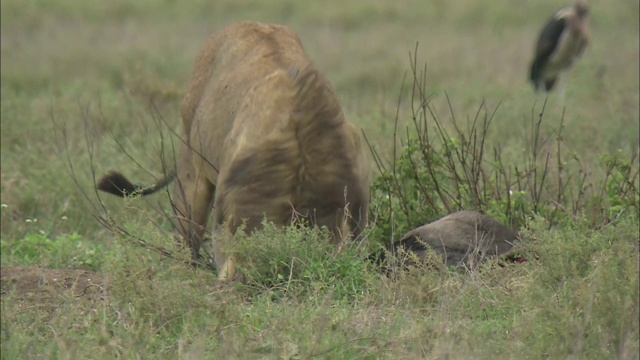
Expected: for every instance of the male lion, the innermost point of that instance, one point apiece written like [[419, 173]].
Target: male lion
[[264, 137]]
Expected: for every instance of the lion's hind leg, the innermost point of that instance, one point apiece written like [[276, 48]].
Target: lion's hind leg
[[192, 203], [218, 249], [228, 269]]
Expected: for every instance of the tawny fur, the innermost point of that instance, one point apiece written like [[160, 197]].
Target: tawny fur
[[265, 137]]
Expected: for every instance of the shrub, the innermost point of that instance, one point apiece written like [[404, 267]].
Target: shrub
[[443, 167], [296, 261]]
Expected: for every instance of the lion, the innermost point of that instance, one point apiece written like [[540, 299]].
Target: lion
[[265, 138]]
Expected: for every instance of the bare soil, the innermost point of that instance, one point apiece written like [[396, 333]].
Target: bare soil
[[50, 286]]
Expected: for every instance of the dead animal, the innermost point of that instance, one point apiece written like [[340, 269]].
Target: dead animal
[[464, 238]]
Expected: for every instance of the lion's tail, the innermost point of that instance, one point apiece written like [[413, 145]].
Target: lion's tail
[[117, 184]]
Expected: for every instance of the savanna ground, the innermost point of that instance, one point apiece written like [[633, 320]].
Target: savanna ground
[[88, 86]]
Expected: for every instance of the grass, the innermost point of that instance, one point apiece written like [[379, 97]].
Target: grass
[[77, 82]]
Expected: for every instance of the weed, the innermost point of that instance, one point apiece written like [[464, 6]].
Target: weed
[[65, 251], [300, 262]]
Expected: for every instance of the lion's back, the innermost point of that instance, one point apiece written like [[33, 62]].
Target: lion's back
[[232, 63], [269, 132], [234, 59]]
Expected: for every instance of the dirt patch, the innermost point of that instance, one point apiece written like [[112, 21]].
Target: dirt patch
[[31, 283]]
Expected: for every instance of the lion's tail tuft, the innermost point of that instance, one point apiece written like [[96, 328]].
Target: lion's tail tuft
[[117, 184]]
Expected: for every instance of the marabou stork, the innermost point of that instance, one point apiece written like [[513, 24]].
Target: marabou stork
[[560, 43]]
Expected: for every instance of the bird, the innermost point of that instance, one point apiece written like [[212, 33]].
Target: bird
[[561, 43]]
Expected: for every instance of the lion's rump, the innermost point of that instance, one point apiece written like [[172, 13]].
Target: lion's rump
[[271, 134]]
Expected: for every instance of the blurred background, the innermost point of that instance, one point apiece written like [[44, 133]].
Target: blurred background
[[94, 71]]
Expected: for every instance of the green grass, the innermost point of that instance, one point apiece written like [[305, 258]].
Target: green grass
[[69, 251], [77, 79], [579, 298]]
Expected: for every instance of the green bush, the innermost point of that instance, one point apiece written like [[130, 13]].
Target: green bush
[[300, 262], [445, 166]]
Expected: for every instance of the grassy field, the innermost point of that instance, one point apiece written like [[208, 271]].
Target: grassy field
[[87, 85]]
